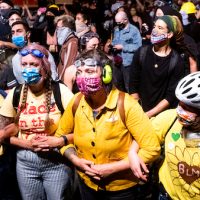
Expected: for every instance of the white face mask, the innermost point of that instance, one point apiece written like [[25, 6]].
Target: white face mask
[[80, 26], [62, 34]]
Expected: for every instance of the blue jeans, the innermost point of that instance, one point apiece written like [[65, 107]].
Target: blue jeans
[[43, 176], [90, 194]]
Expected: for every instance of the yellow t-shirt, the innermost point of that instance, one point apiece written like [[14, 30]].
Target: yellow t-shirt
[[32, 118], [180, 172], [106, 139]]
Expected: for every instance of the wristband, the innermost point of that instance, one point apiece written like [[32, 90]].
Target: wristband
[[65, 139]]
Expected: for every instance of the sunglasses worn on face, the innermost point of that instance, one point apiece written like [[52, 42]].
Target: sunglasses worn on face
[[90, 62], [35, 52]]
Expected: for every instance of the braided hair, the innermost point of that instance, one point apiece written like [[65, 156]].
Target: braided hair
[[48, 86]]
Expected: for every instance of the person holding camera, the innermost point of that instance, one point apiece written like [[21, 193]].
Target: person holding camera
[[126, 41]]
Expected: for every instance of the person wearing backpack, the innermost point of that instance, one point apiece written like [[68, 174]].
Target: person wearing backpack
[[178, 130], [40, 175], [157, 69], [104, 121]]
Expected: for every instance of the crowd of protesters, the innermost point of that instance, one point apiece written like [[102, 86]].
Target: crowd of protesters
[[100, 100]]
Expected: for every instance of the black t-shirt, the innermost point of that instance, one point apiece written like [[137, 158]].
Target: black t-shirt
[[153, 80]]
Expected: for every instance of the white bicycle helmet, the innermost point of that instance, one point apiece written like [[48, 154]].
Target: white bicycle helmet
[[188, 90]]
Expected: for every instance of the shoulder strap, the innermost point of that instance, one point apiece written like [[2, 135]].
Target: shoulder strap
[[143, 53], [120, 105], [173, 61], [57, 95], [76, 103], [171, 126], [16, 96]]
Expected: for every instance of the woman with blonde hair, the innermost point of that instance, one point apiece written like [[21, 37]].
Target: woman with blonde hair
[[40, 174]]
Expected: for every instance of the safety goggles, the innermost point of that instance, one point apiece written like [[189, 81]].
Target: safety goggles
[[35, 52], [90, 62]]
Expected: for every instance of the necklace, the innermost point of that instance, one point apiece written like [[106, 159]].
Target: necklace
[[159, 56]]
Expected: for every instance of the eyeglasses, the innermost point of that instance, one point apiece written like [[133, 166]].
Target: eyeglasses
[[35, 52], [90, 62]]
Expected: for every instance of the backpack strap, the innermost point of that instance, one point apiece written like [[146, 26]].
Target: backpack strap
[[76, 104], [57, 95], [142, 55], [173, 61], [120, 105], [171, 126], [16, 96]]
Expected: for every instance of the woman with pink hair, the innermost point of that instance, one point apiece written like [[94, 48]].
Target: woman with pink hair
[[40, 174]]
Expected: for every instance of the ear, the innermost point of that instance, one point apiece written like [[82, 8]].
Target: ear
[[170, 35], [28, 34]]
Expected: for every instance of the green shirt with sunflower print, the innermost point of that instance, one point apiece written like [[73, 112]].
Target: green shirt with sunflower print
[[180, 171]]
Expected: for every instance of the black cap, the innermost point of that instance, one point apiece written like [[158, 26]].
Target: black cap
[[14, 11]]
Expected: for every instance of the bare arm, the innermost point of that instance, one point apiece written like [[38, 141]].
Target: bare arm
[[193, 65], [140, 5], [161, 106], [82, 164], [135, 96], [70, 76], [8, 44], [30, 16], [26, 144], [7, 128]]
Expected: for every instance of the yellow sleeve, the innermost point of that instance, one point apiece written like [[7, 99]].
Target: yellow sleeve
[[66, 96], [162, 122], [142, 130], [66, 124], [7, 109]]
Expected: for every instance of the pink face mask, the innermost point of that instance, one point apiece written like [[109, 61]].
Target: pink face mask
[[89, 86]]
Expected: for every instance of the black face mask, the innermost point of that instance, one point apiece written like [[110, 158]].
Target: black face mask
[[4, 12], [121, 26], [50, 19]]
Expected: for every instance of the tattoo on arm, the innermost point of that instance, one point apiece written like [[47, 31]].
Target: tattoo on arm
[[69, 153], [4, 121]]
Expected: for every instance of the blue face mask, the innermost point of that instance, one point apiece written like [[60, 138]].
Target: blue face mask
[[31, 75], [19, 41]]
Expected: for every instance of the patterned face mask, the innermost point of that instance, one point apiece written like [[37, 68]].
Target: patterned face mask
[[156, 39], [31, 75], [89, 86], [185, 118]]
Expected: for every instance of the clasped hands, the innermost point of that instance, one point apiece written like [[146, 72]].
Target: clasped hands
[[95, 171], [45, 143]]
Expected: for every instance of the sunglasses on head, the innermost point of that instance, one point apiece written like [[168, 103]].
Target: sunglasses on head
[[35, 52], [90, 62]]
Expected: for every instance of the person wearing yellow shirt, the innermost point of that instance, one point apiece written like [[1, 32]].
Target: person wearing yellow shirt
[[101, 138], [179, 130], [40, 175]]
